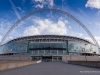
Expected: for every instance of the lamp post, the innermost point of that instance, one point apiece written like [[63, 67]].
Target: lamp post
[[85, 52]]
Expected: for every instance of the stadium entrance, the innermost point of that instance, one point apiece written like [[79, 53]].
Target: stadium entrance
[[47, 58]]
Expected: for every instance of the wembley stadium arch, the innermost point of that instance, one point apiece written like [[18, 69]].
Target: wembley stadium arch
[[48, 44]]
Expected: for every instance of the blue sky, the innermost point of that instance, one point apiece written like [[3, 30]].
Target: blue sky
[[87, 11]]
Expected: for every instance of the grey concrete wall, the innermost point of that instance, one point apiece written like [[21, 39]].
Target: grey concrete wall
[[92, 61], [14, 57], [80, 58], [4, 65], [86, 63]]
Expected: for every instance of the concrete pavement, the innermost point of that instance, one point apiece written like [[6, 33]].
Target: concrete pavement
[[52, 68]]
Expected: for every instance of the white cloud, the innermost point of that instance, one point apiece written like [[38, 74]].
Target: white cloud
[[0, 38], [39, 5], [97, 24], [38, 0], [51, 3], [80, 34], [47, 26], [4, 26], [96, 37], [42, 3], [77, 34], [21, 10], [31, 31], [93, 4], [83, 13], [10, 37], [88, 38], [69, 27]]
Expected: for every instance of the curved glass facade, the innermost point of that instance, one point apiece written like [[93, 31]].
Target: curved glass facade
[[82, 47], [48, 48], [16, 47]]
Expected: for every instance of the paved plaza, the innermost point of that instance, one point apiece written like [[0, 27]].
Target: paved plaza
[[52, 68]]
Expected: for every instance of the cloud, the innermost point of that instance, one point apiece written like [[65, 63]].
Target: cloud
[[97, 24], [39, 5], [83, 13], [4, 26], [69, 27], [23, 1], [42, 3], [38, 0], [96, 37], [20, 9], [93, 4], [47, 26], [51, 3], [0, 38], [15, 10], [77, 34], [31, 30]]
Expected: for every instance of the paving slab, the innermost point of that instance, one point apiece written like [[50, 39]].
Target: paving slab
[[52, 68]]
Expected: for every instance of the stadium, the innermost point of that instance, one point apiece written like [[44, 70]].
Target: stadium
[[48, 47]]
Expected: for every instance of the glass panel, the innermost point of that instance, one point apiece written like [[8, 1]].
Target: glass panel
[[30, 45], [81, 47], [48, 45], [49, 48], [35, 52], [54, 52], [41, 51], [15, 47], [18, 47], [47, 51], [2, 49], [60, 51], [64, 52]]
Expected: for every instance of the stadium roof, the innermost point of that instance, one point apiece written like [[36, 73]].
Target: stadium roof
[[49, 38]]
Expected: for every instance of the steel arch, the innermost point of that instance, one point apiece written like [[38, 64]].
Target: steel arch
[[54, 10]]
